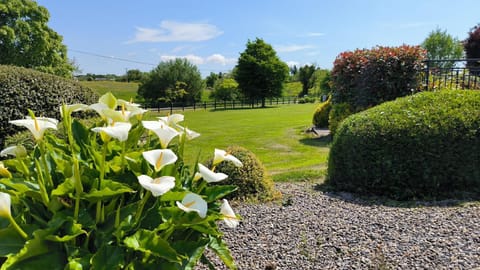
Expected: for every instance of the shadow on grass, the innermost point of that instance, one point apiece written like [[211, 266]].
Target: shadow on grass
[[244, 108], [321, 141]]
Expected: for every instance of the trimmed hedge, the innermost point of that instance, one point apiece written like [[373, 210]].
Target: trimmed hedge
[[421, 146], [320, 116], [22, 89]]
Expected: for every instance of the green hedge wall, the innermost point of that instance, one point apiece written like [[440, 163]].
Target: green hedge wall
[[22, 89], [421, 146]]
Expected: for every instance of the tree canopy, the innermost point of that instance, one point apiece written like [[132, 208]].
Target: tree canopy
[[305, 76], [175, 80], [472, 49], [442, 46], [225, 89], [260, 73], [27, 41]]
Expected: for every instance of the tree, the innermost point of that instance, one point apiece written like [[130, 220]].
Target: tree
[[174, 80], [442, 46], [212, 78], [27, 41], [472, 49], [260, 73], [305, 76], [225, 89], [134, 75]]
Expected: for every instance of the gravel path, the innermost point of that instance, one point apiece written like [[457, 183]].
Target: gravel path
[[313, 230]]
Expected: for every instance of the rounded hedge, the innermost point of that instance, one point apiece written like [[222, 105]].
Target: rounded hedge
[[425, 146], [22, 89], [251, 179], [320, 116]]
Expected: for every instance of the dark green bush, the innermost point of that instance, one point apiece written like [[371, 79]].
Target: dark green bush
[[320, 116], [421, 146], [251, 179], [22, 89], [337, 114]]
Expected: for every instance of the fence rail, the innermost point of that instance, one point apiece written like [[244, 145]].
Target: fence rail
[[452, 74]]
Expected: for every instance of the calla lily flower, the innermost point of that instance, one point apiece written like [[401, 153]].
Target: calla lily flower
[[172, 119], [221, 155], [118, 130], [14, 150], [109, 100], [100, 109], [190, 134], [193, 202], [5, 203], [37, 125], [209, 175], [72, 108], [228, 215], [164, 132], [4, 171], [160, 158], [157, 186]]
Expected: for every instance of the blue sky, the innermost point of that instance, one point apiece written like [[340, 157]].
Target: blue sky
[[110, 36]]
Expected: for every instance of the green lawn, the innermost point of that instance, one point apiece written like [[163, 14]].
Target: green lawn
[[121, 90], [276, 135]]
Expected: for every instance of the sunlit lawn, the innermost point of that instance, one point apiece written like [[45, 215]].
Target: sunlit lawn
[[275, 134]]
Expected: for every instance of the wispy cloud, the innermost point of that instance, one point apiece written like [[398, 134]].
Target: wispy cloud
[[198, 60], [292, 48], [315, 34], [171, 31], [293, 63]]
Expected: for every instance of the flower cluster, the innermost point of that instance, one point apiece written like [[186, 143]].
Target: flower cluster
[[119, 186]]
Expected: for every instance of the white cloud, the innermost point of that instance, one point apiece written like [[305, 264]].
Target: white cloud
[[220, 59], [194, 59], [315, 34], [292, 48], [170, 31], [293, 63]]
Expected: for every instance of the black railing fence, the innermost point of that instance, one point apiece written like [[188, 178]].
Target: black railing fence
[[451, 74]]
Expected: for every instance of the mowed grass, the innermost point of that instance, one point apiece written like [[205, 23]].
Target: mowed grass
[[275, 134], [121, 90]]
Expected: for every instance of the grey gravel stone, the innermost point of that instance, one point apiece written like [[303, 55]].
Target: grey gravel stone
[[337, 231]]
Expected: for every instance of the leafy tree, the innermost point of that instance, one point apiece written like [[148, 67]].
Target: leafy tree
[[442, 46], [225, 89], [134, 75], [305, 76], [174, 80], [211, 79], [27, 41], [260, 73], [472, 49]]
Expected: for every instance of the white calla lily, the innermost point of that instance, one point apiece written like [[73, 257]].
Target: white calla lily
[[160, 158], [209, 175], [164, 132], [72, 108], [5, 204], [190, 134], [118, 130], [172, 119], [221, 155], [193, 202], [37, 125], [229, 216], [14, 150], [157, 186]]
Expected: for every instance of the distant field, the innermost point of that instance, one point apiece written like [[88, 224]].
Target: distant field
[[292, 89], [121, 90], [276, 135]]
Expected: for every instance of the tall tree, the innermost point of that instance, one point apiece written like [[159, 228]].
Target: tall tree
[[260, 73], [225, 89], [305, 76], [472, 49], [174, 80], [27, 41], [442, 46]]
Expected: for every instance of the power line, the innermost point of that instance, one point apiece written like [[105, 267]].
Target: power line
[[112, 57]]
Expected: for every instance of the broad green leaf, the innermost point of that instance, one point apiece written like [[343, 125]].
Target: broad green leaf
[[221, 249], [108, 189], [193, 250], [217, 192], [108, 257], [11, 242], [173, 196], [150, 243], [64, 188]]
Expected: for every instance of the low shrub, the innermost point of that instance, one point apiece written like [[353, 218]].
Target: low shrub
[[320, 116], [337, 113], [251, 179], [22, 88], [422, 146]]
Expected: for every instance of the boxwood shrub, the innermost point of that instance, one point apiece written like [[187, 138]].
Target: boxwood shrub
[[22, 89], [320, 116], [424, 146]]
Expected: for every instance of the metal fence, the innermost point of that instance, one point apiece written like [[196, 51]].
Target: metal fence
[[452, 74]]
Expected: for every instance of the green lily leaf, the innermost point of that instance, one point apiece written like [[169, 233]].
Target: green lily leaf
[[193, 250], [65, 188], [217, 192], [11, 242], [108, 257], [150, 243], [220, 248], [173, 196], [108, 189]]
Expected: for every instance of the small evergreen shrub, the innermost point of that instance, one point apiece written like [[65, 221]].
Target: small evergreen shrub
[[422, 146], [251, 179], [336, 115], [22, 88], [320, 116]]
